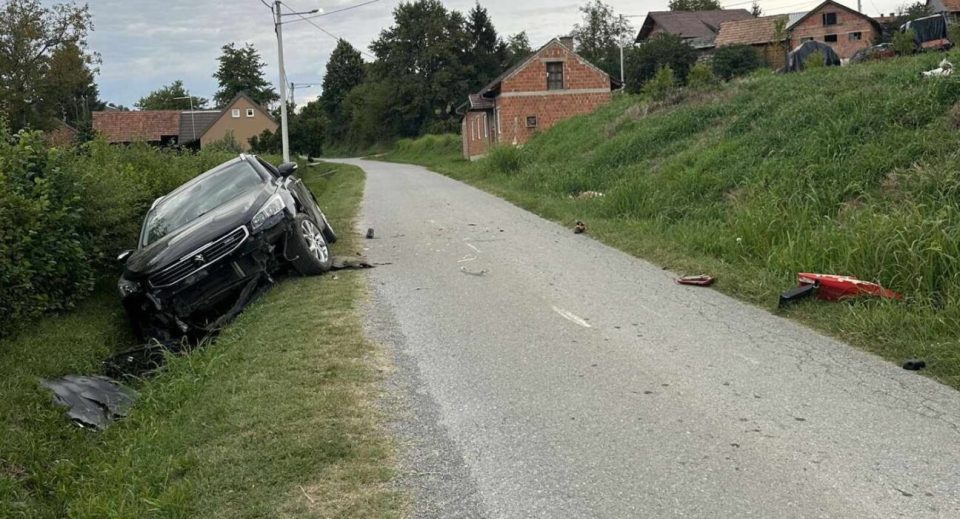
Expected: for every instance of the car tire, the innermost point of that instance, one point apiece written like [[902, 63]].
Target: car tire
[[311, 254]]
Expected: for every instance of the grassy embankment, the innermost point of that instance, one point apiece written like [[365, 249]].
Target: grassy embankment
[[852, 170], [277, 419]]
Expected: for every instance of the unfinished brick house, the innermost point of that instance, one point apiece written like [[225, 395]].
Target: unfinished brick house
[[846, 30], [551, 85]]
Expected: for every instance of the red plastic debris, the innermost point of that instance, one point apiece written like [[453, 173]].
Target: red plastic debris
[[700, 281], [835, 288]]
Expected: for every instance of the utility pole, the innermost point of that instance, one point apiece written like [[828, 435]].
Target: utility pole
[[620, 39], [284, 136]]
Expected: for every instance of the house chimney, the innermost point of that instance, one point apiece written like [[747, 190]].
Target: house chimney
[[567, 42]]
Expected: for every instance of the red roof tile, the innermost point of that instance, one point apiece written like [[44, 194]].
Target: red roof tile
[[147, 126]]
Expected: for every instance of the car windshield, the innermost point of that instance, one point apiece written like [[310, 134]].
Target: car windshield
[[181, 208]]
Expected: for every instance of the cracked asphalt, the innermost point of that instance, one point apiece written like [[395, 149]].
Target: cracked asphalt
[[540, 373]]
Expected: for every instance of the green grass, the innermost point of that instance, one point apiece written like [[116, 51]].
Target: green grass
[[276, 419], [852, 170]]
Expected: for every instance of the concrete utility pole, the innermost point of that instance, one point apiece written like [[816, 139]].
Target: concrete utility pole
[[620, 39], [284, 136]]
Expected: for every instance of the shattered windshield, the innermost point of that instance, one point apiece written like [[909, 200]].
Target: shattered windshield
[[217, 188]]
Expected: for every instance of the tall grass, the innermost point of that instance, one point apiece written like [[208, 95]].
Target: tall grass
[[850, 170]]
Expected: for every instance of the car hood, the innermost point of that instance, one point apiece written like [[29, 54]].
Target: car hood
[[196, 234]]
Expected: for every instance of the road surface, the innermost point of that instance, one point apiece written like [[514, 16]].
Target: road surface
[[540, 373]]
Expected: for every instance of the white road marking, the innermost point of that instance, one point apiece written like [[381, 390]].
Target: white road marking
[[571, 317], [474, 247]]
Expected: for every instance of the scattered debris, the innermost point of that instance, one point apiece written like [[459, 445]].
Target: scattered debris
[[93, 402], [702, 280], [835, 288], [579, 228], [342, 263], [914, 364], [944, 70], [797, 293], [137, 362], [370, 233], [586, 195], [480, 273]]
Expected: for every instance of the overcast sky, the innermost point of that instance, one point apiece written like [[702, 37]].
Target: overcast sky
[[145, 44]]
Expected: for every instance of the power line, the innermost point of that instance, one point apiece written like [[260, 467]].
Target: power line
[[339, 10], [328, 33]]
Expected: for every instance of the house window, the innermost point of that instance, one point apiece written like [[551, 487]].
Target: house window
[[250, 112], [829, 18], [555, 75], [830, 38], [531, 121], [856, 36], [235, 113]]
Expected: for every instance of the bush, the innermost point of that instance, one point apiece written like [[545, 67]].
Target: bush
[[228, 144], [904, 43], [815, 60], [700, 76], [504, 159], [735, 60], [661, 85], [665, 50]]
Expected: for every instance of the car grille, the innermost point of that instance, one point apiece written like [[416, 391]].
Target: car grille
[[208, 255]]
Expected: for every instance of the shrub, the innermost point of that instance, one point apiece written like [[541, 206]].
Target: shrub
[[904, 43], [228, 144], [815, 60], [735, 60], [700, 76], [664, 50], [504, 159], [661, 85]]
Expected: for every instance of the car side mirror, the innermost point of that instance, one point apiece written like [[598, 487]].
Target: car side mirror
[[122, 257], [287, 168]]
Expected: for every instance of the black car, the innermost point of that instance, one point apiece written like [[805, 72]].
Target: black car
[[206, 247]]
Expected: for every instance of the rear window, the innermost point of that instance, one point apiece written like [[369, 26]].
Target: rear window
[[215, 189]]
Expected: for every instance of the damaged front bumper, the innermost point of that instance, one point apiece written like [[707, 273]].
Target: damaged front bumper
[[197, 295]]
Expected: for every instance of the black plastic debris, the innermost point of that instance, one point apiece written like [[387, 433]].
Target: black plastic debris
[[341, 263], [137, 362], [795, 294], [93, 402], [914, 364], [370, 233]]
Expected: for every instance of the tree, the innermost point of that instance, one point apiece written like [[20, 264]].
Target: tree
[[33, 39], [661, 85], [170, 97], [905, 43], [307, 129], [694, 5], [755, 9], [68, 90], [485, 52], [345, 70], [516, 47], [599, 36], [241, 70], [735, 60], [663, 50], [421, 59]]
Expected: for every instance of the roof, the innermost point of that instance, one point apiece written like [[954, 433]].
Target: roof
[[478, 102], [951, 5], [149, 125], [793, 22], [194, 123], [754, 31], [695, 25]]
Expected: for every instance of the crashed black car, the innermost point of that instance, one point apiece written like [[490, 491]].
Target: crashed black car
[[208, 246]]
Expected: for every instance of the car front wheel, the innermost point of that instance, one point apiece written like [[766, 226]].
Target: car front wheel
[[309, 247]]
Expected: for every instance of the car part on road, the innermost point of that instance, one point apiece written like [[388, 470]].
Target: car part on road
[[341, 263], [914, 364], [370, 233], [471, 273], [795, 294], [702, 280], [835, 288], [93, 402], [579, 228]]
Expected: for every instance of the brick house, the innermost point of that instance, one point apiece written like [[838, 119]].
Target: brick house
[[242, 118], [698, 28], [846, 30], [949, 8], [552, 84]]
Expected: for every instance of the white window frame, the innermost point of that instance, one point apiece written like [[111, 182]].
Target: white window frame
[[499, 127], [486, 126], [251, 112], [235, 113]]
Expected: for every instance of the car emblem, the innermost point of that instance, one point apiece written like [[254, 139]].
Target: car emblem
[[200, 260]]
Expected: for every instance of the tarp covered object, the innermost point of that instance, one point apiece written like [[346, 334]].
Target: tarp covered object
[[928, 28], [798, 56], [92, 401]]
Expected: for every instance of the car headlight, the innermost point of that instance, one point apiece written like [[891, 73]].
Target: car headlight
[[128, 287], [273, 207]]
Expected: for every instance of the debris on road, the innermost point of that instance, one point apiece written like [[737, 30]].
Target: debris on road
[[829, 287], [702, 280], [914, 364], [341, 263], [93, 402], [795, 294], [478, 273], [370, 233], [579, 228]]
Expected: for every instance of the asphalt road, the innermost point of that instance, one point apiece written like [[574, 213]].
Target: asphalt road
[[540, 373]]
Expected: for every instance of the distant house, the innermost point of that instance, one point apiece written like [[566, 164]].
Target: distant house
[[950, 8], [552, 84], [242, 118], [62, 135], [846, 30], [698, 28]]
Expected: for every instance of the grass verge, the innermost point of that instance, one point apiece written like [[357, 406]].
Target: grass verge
[[277, 419], [847, 170]]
